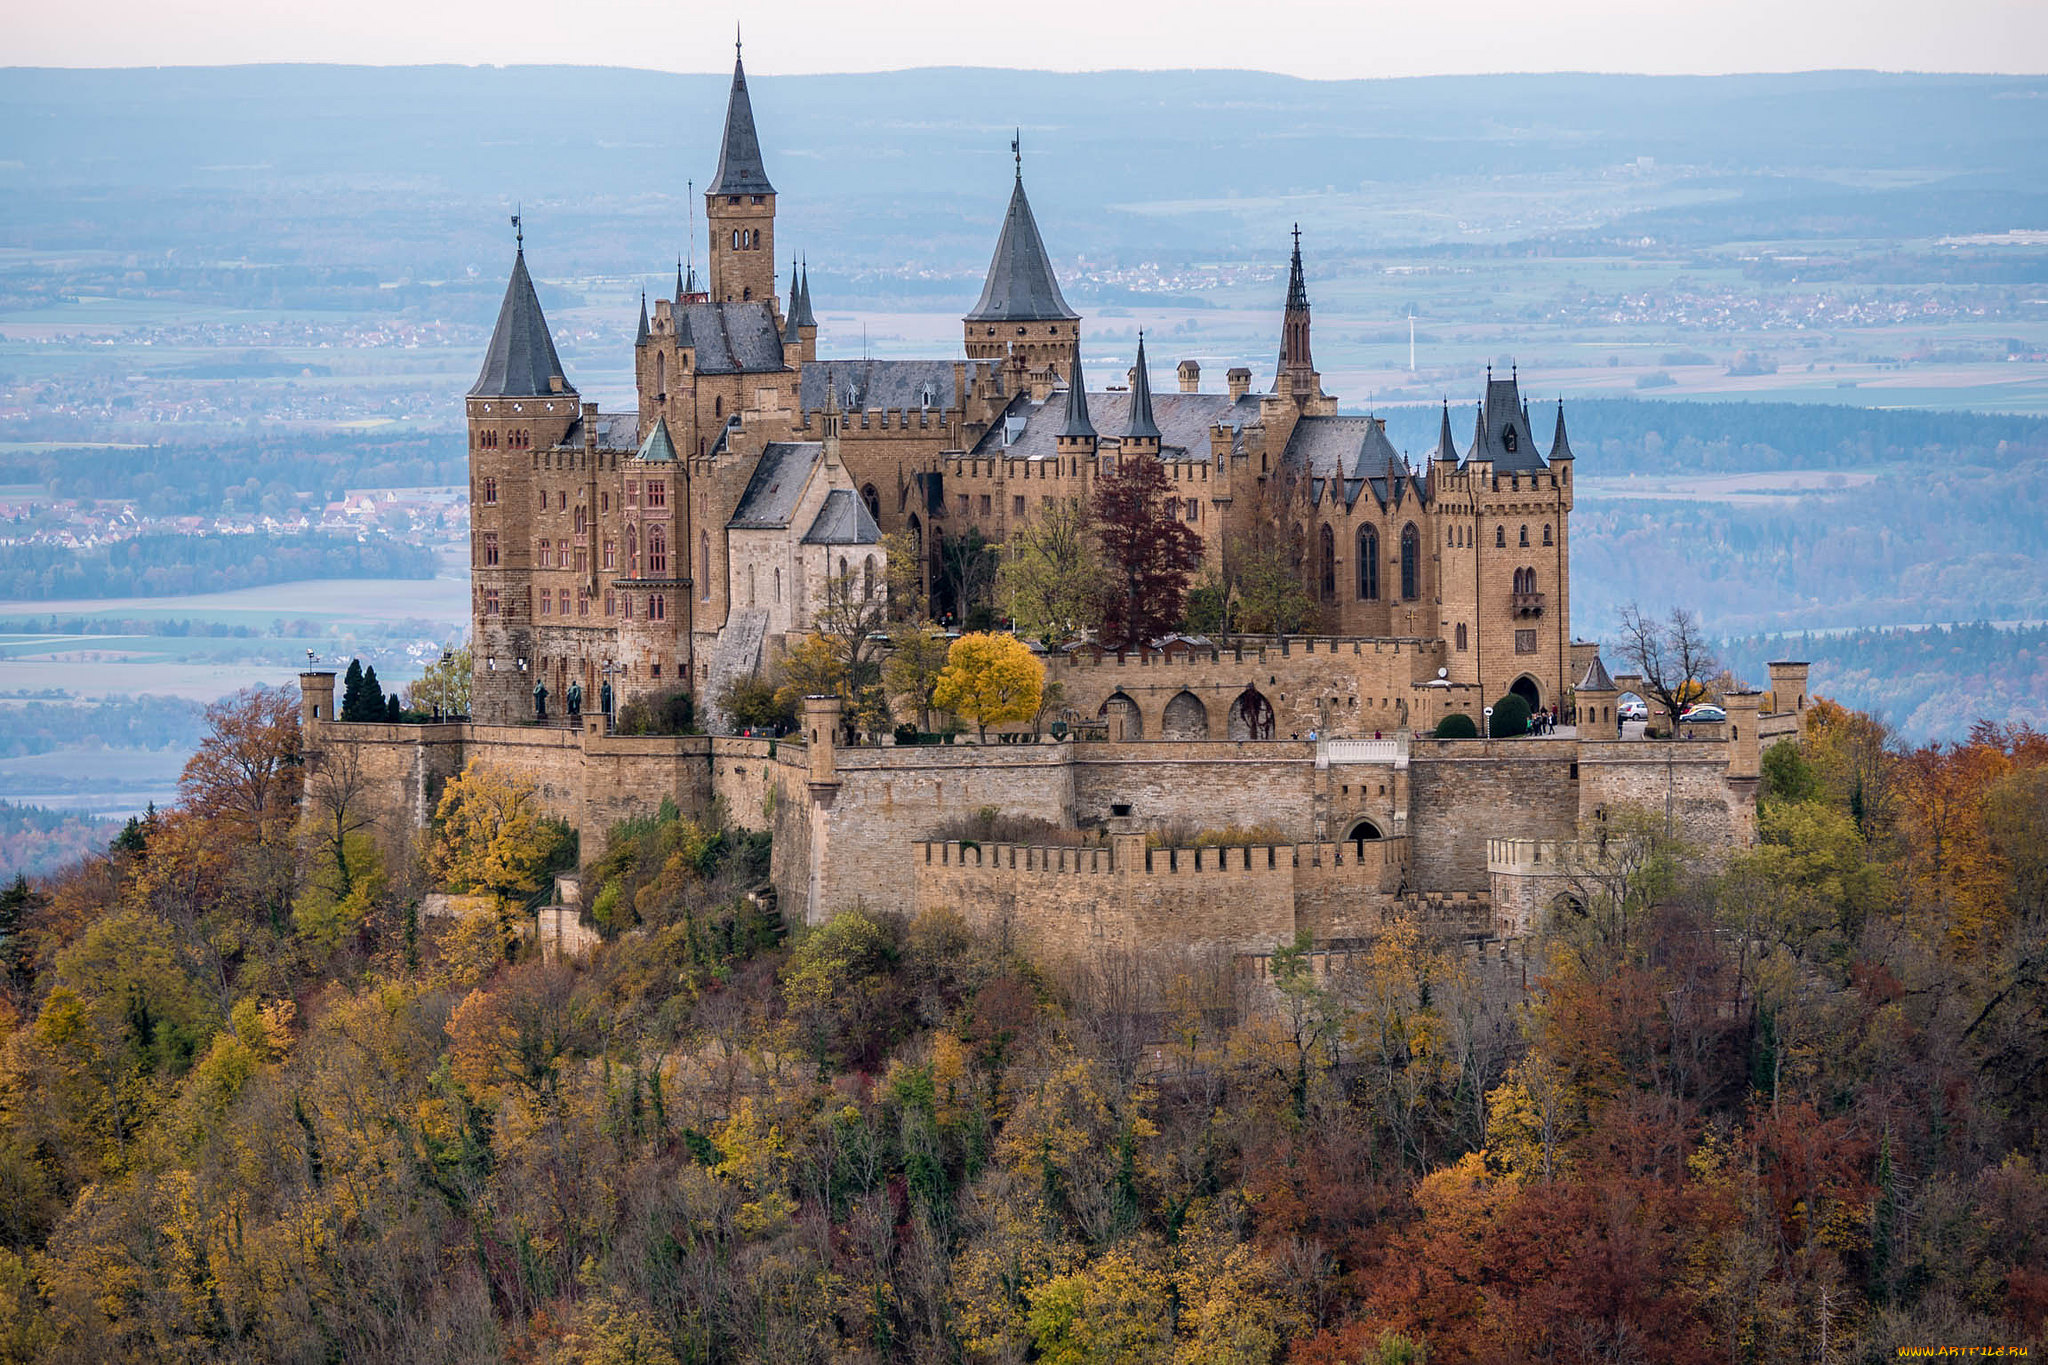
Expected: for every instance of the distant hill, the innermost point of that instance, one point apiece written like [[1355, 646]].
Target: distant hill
[[413, 164]]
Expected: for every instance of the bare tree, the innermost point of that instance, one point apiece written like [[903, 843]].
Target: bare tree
[[338, 798], [1672, 655]]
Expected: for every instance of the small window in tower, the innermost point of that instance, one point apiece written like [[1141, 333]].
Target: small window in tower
[[1017, 505], [1525, 535], [985, 504], [732, 199], [490, 548], [562, 502], [1500, 537], [491, 492], [1461, 635], [1020, 331], [1546, 533], [490, 601], [547, 603]]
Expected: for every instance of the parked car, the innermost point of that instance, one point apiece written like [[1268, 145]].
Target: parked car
[[1703, 713], [1633, 709]]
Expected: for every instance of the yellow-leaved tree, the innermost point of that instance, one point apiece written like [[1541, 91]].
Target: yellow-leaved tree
[[990, 679], [490, 837]]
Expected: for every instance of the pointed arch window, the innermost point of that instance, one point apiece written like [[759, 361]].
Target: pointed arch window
[[1546, 533], [1411, 563], [661, 376], [703, 565], [1500, 537], [1525, 537], [1326, 563], [1368, 564], [867, 579]]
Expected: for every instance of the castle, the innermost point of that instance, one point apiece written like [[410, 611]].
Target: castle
[[680, 545]]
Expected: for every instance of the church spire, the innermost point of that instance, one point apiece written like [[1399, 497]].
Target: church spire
[[645, 332], [1446, 444], [1296, 370], [1142, 427], [1560, 448], [1077, 427]]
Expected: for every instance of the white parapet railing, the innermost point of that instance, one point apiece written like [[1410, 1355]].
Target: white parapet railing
[[1388, 751]]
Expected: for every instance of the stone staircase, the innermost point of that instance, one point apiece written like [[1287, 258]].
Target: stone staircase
[[738, 655]]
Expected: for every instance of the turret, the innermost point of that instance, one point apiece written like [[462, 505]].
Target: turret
[[1141, 433], [1076, 437], [740, 206], [1743, 753], [316, 701]]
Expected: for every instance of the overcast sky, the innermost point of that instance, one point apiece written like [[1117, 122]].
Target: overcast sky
[[1317, 38]]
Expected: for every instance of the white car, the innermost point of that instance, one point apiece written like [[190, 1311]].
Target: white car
[[1704, 714]]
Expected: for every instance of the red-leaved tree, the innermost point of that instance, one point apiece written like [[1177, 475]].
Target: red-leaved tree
[[1148, 552]]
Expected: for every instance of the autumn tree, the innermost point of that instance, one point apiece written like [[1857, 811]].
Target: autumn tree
[[490, 836], [247, 770], [1049, 577], [990, 680], [1148, 553], [1262, 587], [1672, 655]]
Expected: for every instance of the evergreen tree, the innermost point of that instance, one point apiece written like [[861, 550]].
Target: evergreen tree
[[394, 710], [370, 704], [352, 691], [15, 903]]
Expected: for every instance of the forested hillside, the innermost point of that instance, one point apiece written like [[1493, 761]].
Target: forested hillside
[[1783, 1107], [166, 564]]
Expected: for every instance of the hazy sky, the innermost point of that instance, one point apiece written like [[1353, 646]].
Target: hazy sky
[[1320, 38]]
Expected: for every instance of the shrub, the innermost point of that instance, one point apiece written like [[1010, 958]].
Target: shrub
[[751, 701], [1510, 717], [673, 712], [1457, 725]]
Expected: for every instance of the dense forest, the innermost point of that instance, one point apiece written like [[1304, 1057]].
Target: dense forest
[[167, 564], [36, 841], [1927, 683], [1784, 1105]]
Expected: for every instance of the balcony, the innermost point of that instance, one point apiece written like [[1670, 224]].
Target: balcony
[[1527, 603]]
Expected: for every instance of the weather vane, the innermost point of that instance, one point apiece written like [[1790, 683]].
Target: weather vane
[[1017, 150], [518, 232]]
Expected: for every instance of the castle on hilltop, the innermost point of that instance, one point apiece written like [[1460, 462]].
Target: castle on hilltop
[[680, 545], [682, 542]]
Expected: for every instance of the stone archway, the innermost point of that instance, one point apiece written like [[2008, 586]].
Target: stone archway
[[1362, 833], [1251, 715], [1184, 718], [1119, 704], [1525, 687]]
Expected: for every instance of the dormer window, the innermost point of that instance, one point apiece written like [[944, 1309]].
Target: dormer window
[[1507, 437]]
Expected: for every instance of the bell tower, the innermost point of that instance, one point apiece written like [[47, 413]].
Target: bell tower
[[740, 206]]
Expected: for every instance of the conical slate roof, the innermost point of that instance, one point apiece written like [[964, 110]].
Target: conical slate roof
[[658, 448], [1020, 285], [1446, 446], [739, 156], [1560, 448], [1142, 427], [789, 324], [645, 331], [1596, 679], [1077, 423], [520, 361], [804, 316]]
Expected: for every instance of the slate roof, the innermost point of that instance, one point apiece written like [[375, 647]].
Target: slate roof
[[1141, 426], [1446, 444], [731, 338], [520, 362], [1340, 447], [615, 431], [644, 335], [1503, 434], [1020, 286], [1596, 679], [843, 520], [779, 478], [1183, 420], [1560, 448], [658, 448], [739, 155], [1077, 422], [878, 384]]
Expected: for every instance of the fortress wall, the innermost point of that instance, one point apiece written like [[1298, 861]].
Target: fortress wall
[[887, 798], [743, 774], [1706, 807], [1068, 900], [402, 768], [1210, 785], [1465, 791], [1334, 687]]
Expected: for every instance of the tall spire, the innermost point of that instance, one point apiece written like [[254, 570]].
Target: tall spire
[[520, 361], [796, 298], [1142, 427], [805, 317], [679, 280], [739, 155], [1077, 426], [645, 332], [1295, 372], [1020, 286]]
